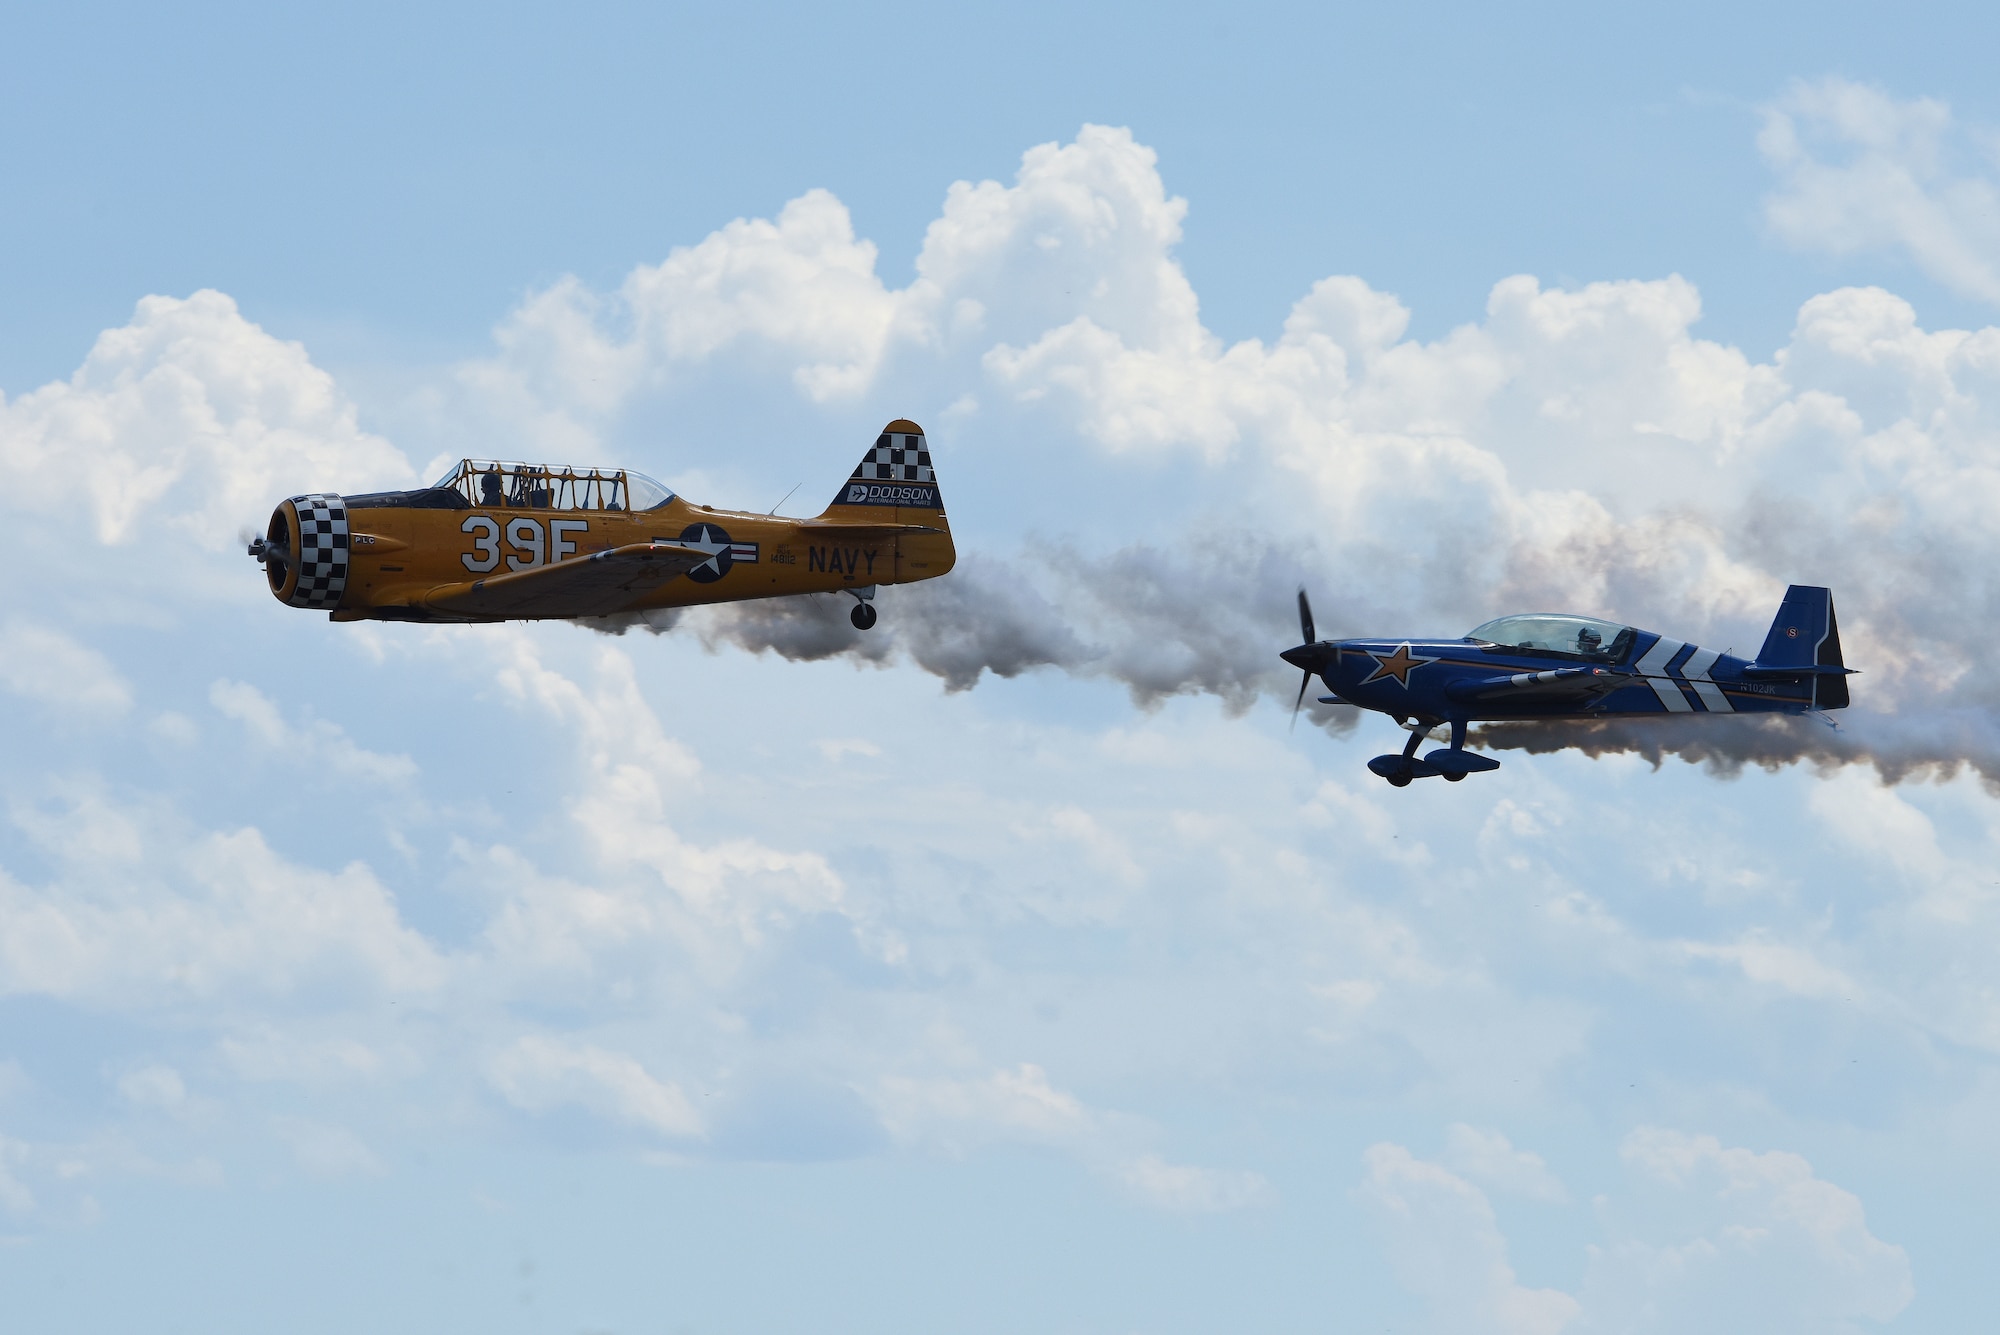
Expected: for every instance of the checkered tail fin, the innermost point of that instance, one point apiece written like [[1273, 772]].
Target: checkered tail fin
[[893, 481]]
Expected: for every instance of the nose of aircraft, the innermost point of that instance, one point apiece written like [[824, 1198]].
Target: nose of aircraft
[[1301, 657]]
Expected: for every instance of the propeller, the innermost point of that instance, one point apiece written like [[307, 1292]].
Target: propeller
[[1306, 637], [256, 545]]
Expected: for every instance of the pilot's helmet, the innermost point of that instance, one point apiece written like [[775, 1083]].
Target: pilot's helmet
[[489, 486], [1588, 640]]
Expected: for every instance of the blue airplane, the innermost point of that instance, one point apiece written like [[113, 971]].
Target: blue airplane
[[1548, 666]]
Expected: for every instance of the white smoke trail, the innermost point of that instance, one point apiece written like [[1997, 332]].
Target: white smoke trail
[[1935, 748], [1208, 620], [1211, 617]]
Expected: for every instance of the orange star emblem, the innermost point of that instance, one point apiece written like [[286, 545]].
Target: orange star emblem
[[1398, 665]]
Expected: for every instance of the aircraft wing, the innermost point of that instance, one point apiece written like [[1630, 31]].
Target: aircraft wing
[[1571, 683], [585, 586]]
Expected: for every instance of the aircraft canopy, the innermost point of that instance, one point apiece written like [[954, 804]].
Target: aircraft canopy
[[552, 486], [1577, 637]]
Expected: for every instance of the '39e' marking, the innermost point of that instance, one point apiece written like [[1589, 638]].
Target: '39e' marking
[[524, 535]]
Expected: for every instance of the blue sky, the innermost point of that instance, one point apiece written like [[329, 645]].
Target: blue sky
[[398, 175], [1012, 967]]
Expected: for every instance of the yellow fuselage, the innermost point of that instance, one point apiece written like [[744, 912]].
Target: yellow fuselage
[[499, 541], [401, 557]]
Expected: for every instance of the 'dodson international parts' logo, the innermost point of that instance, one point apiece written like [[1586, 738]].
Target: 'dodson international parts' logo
[[892, 493]]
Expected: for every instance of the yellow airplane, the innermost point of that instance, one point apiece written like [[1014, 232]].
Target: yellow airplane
[[494, 541]]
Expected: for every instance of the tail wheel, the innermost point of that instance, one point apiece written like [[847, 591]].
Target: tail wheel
[[863, 616]]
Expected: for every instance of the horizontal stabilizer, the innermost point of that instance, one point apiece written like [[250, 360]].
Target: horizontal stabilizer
[[809, 529], [1759, 672], [596, 585]]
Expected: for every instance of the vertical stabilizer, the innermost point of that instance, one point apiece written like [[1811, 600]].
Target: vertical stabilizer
[[895, 484], [1806, 636]]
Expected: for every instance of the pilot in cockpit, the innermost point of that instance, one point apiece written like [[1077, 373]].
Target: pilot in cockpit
[[1589, 643], [489, 487]]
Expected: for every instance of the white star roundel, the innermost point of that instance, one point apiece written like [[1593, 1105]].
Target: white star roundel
[[709, 538]]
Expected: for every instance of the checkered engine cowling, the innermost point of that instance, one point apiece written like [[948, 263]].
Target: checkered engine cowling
[[323, 550]]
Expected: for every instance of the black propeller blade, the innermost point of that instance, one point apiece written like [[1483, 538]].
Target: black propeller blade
[[1307, 637]]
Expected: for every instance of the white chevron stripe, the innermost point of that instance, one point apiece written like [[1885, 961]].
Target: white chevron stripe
[[1654, 667], [1696, 671]]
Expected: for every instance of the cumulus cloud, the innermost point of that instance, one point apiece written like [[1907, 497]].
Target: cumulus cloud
[[1728, 1239], [1945, 907], [1703, 1237], [186, 422], [631, 774], [325, 1150], [141, 909], [1700, 505], [318, 744], [1446, 1246], [47, 666], [1574, 448], [957, 1114], [1488, 1157], [538, 1073], [15, 1197], [1780, 964], [1859, 169], [1577, 449], [264, 1052], [1188, 1189], [158, 1087], [799, 295]]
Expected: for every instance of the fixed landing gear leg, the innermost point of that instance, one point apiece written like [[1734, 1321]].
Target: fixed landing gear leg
[[863, 615], [1399, 770], [1458, 762], [1457, 744], [1401, 778]]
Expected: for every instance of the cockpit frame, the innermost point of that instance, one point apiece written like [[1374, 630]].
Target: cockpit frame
[[1556, 634], [506, 484]]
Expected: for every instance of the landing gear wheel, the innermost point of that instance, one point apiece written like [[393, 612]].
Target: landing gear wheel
[[863, 616], [1451, 777], [1398, 780]]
